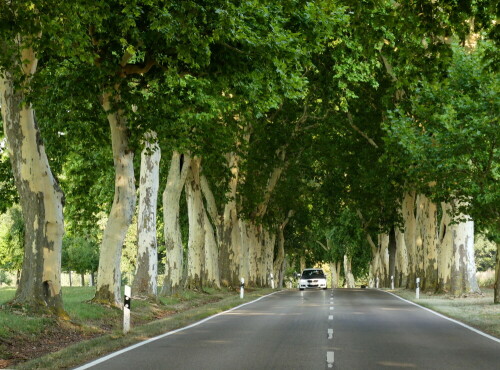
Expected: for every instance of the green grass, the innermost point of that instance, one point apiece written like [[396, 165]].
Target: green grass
[[6, 294], [18, 322], [478, 311], [148, 319]]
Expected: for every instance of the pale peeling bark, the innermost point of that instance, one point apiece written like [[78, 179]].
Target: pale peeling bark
[[383, 240], [280, 255], [392, 248], [252, 245], [373, 268], [146, 273], [496, 297], [177, 173], [230, 242], [278, 265], [268, 244], [408, 212], [401, 259], [349, 277], [212, 235], [458, 276], [40, 197], [426, 243], [271, 185], [211, 277], [196, 216], [247, 266], [335, 271], [211, 207], [122, 210]]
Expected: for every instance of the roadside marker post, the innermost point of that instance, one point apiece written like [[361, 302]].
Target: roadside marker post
[[242, 288], [392, 282], [377, 282], [272, 281], [418, 288], [126, 309]]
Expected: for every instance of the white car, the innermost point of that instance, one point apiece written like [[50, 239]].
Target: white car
[[312, 279]]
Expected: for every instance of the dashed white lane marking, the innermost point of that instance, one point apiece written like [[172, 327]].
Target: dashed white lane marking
[[329, 358], [331, 308], [330, 317], [330, 333], [117, 353]]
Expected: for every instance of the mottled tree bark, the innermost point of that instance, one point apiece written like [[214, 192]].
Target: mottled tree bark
[[122, 210], [402, 260], [196, 216], [409, 216], [40, 196], [457, 273], [146, 273], [230, 242], [496, 297], [349, 277], [177, 173]]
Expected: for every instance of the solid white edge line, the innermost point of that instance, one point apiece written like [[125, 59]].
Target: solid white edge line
[[447, 318], [126, 349]]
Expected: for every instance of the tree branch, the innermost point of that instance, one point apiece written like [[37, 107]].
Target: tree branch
[[349, 117]]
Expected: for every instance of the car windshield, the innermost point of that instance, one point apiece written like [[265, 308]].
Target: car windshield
[[310, 274]]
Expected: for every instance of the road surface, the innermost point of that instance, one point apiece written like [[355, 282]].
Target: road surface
[[320, 329]]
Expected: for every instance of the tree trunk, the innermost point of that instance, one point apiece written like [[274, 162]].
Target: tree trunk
[[392, 256], [229, 254], [426, 243], [408, 210], [122, 210], [179, 167], [247, 266], [40, 197], [458, 274], [212, 236], [70, 280], [496, 297], [402, 259], [349, 277], [196, 240], [280, 256], [335, 270], [268, 244], [384, 260], [82, 276], [146, 273], [211, 277]]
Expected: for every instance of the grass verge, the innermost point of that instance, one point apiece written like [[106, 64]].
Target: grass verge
[[476, 310], [96, 330]]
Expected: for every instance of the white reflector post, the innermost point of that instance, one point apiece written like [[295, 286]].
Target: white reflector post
[[126, 309], [242, 288]]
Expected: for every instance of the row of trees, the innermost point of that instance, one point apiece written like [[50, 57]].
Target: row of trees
[[277, 121]]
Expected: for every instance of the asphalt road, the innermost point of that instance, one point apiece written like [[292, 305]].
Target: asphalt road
[[342, 329]]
